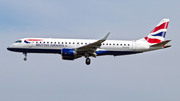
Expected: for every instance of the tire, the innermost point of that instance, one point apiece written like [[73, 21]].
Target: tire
[[25, 59], [88, 61]]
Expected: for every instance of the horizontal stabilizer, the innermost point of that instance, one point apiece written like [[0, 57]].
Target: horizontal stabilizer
[[161, 43]]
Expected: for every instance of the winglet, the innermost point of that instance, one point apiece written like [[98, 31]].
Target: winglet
[[105, 37]]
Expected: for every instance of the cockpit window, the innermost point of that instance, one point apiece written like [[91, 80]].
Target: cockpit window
[[19, 41]]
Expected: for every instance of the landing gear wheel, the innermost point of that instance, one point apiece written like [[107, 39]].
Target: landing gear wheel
[[88, 61], [25, 59]]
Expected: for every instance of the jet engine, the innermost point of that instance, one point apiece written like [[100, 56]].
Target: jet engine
[[68, 54]]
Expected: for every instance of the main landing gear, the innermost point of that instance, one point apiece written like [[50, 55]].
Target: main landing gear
[[88, 60], [25, 54]]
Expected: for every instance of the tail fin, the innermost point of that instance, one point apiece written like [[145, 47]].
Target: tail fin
[[158, 34]]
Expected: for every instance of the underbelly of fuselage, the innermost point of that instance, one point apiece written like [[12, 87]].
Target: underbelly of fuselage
[[58, 51]]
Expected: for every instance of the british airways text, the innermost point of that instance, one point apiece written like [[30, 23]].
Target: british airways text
[[50, 45]]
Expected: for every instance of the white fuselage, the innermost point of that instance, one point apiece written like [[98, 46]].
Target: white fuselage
[[51, 45]]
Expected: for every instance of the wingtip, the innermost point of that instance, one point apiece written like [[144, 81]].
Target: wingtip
[[105, 37]]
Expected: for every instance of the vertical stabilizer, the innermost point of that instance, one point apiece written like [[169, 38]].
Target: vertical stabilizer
[[158, 34]]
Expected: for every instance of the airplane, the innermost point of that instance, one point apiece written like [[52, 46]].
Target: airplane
[[71, 49]]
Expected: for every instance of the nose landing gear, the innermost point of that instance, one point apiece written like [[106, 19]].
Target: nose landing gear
[[25, 59], [25, 54]]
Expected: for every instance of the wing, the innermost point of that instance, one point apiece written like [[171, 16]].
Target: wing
[[91, 48]]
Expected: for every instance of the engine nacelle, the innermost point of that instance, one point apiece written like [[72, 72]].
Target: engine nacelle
[[68, 54]]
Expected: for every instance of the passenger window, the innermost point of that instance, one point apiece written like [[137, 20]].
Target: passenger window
[[121, 44], [128, 44], [73, 42], [69, 42], [36, 42], [62, 42], [107, 44], [78, 43], [113, 44], [117, 44], [65, 42], [81, 43], [47, 42], [44, 42], [124, 44], [51, 42], [58, 42]]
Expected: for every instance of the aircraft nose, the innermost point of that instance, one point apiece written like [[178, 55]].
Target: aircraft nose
[[10, 48]]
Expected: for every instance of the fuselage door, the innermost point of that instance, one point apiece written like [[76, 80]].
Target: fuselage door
[[30, 44]]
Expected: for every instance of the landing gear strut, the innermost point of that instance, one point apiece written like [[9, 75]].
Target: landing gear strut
[[25, 54], [88, 61]]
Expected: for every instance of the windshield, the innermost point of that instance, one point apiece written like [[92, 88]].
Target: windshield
[[18, 41]]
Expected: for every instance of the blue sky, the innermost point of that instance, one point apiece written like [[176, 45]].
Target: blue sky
[[148, 76]]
